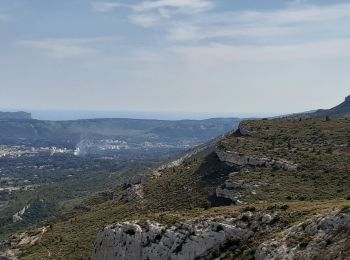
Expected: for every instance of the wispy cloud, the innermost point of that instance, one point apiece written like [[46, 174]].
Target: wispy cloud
[[195, 30], [184, 6], [152, 13], [62, 48], [198, 20], [104, 7], [299, 22], [144, 20], [162, 12]]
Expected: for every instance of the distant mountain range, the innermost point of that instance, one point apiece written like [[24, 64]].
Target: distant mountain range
[[339, 111], [15, 115], [125, 137]]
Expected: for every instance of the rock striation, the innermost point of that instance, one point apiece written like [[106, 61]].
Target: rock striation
[[234, 158]]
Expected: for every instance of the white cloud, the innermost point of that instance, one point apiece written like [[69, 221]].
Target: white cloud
[[194, 33], [299, 24], [300, 14], [183, 5], [104, 7], [196, 21], [62, 48], [161, 12], [144, 20]]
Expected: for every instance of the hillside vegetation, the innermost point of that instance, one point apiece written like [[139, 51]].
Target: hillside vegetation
[[294, 170]]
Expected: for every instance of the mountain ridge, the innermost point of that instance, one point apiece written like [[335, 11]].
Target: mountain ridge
[[339, 111], [115, 136], [15, 115]]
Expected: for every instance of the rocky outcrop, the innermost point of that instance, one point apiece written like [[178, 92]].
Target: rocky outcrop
[[132, 192], [322, 238], [11, 250], [18, 216], [232, 194], [234, 158], [231, 189], [243, 131], [184, 241]]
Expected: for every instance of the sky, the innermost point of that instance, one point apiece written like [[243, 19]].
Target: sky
[[223, 57]]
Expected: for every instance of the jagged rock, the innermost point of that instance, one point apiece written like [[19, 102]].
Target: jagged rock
[[154, 241], [322, 238]]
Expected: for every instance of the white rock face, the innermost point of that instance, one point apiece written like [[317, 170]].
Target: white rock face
[[322, 238], [234, 158], [157, 242]]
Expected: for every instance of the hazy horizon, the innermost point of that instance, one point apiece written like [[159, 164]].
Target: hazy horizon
[[175, 56], [76, 114]]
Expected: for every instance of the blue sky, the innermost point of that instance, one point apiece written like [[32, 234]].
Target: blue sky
[[174, 56]]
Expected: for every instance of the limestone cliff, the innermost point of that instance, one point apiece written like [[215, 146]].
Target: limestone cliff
[[325, 235], [196, 239]]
